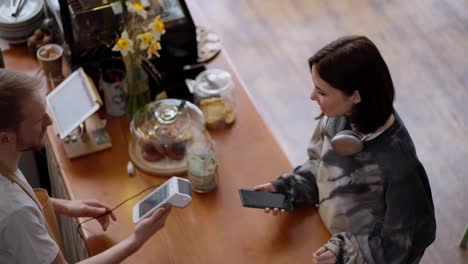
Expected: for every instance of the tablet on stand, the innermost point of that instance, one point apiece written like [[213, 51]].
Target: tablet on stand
[[73, 105]]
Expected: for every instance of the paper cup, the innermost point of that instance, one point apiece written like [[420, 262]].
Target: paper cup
[[114, 96], [50, 59]]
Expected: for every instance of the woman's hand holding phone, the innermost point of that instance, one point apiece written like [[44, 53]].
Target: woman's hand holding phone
[[269, 187]]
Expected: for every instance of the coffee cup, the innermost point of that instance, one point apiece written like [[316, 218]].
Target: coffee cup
[[50, 59]]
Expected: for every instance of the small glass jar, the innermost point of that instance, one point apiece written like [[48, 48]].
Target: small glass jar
[[202, 167], [213, 92]]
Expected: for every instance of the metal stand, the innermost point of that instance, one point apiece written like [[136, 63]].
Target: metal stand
[[92, 137]]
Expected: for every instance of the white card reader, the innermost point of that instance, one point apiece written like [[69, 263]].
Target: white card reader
[[175, 191]]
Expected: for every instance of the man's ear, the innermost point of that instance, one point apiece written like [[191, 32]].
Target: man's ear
[[5, 137], [356, 97]]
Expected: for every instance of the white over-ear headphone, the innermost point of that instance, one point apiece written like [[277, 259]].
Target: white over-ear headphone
[[345, 142]]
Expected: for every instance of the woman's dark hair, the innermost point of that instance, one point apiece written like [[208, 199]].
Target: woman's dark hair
[[354, 63]]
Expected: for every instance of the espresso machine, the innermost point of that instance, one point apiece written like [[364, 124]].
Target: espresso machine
[[89, 29]]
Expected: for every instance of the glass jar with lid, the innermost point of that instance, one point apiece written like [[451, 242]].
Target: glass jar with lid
[[160, 133], [213, 91]]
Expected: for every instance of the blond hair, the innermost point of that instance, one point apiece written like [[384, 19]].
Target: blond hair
[[14, 88]]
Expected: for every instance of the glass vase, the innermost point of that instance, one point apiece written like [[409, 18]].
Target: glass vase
[[137, 92]]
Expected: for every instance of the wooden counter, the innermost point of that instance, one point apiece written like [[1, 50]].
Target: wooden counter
[[215, 228]]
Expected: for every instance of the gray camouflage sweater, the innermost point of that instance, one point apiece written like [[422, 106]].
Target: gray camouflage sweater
[[377, 204]]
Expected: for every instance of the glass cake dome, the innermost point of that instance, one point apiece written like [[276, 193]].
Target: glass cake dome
[[160, 134]]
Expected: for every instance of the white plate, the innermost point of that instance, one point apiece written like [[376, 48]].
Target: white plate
[[21, 34], [28, 10], [22, 26], [19, 26]]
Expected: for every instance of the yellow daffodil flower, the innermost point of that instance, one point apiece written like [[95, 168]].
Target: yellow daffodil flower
[[157, 26], [145, 40], [136, 8], [124, 44], [153, 49]]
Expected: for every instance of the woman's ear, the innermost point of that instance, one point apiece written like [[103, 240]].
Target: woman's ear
[[356, 97]]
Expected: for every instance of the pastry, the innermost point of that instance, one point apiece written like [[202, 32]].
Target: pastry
[[176, 150], [229, 116], [213, 109], [217, 112], [151, 153]]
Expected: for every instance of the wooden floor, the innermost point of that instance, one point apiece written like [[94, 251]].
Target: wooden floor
[[425, 44]]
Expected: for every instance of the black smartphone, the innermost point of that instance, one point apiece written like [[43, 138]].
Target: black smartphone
[[264, 199]]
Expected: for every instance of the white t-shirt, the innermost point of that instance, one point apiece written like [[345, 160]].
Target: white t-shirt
[[23, 233]]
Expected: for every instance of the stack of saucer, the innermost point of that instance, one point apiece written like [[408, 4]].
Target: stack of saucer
[[208, 44], [16, 28]]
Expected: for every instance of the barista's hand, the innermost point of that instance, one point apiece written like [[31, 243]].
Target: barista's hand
[[324, 256], [269, 187], [149, 226], [85, 208]]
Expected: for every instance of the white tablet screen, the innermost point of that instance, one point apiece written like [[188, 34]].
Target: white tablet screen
[[71, 103]]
